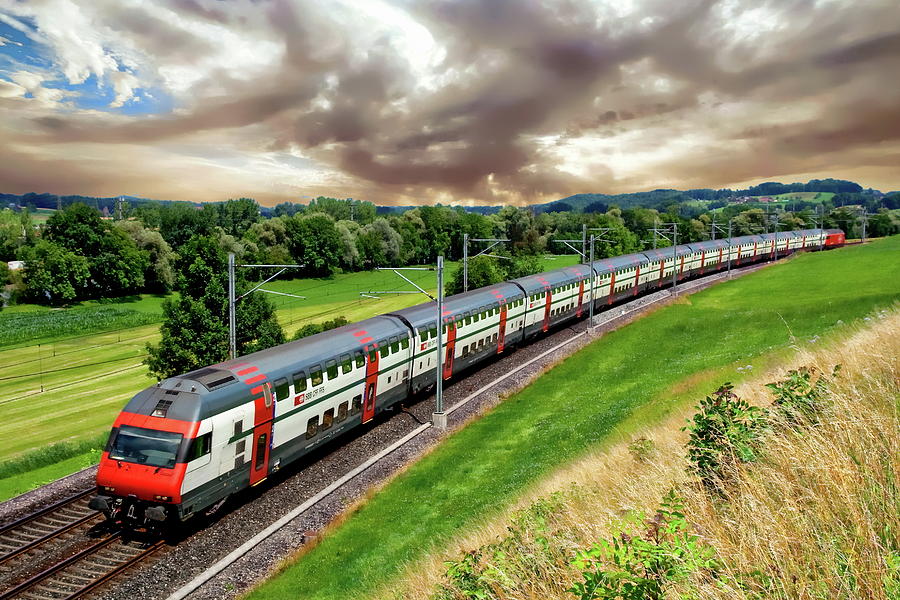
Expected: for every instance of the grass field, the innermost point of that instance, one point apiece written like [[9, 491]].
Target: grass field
[[800, 196], [66, 384], [624, 380]]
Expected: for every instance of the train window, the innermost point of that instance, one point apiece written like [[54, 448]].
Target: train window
[[433, 332], [465, 351], [200, 447], [260, 451], [384, 351], [342, 411], [373, 356], [480, 343], [423, 333], [312, 427], [356, 406], [315, 376], [240, 447], [239, 461], [360, 358], [331, 368], [395, 344], [404, 343], [494, 338], [281, 388], [327, 419], [346, 363], [238, 427]]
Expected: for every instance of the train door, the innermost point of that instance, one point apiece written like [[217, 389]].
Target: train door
[[371, 391], [580, 297], [637, 280], [501, 335], [547, 304], [450, 349], [612, 284], [264, 413]]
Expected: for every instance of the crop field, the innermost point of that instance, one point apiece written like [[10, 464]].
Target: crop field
[[627, 379], [64, 378]]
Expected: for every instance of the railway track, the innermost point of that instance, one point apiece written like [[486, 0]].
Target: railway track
[[54, 529], [84, 571], [37, 529]]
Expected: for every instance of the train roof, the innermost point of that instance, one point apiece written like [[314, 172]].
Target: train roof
[[457, 304], [539, 282], [708, 245], [617, 263]]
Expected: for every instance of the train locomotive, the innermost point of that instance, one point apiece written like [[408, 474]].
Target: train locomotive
[[184, 445]]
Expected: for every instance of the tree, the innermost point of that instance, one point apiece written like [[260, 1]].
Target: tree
[[379, 244], [195, 330], [159, 276], [115, 263], [179, 222], [14, 228], [315, 243], [235, 217], [483, 271], [53, 274]]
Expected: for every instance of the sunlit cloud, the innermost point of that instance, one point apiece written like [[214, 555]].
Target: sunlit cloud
[[470, 101]]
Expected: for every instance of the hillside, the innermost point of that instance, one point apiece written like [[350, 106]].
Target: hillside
[[783, 528], [625, 381]]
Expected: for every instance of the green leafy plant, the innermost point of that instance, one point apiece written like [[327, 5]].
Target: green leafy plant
[[642, 566], [641, 449], [725, 431], [798, 397]]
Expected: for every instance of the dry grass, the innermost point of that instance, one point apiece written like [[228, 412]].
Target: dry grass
[[818, 517]]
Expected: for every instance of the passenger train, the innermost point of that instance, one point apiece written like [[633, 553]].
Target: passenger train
[[184, 445]]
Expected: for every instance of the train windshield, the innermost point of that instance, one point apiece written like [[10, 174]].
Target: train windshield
[[145, 446]]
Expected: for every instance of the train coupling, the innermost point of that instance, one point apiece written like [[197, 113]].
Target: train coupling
[[101, 503]]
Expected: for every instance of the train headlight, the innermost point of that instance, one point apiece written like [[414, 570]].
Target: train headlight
[[107, 488], [163, 498]]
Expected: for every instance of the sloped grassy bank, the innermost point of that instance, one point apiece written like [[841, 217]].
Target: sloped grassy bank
[[579, 404], [802, 499]]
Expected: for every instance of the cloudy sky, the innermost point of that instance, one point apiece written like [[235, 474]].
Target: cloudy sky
[[418, 101]]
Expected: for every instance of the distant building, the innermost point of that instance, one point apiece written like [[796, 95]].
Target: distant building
[[16, 265]]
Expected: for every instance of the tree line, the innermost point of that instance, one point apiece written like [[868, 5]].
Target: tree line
[[79, 254]]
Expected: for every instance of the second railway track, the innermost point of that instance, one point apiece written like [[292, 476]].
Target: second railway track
[[84, 571], [33, 531]]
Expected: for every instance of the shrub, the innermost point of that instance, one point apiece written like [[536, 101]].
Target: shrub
[[798, 398], [641, 566], [314, 328], [641, 449], [724, 432]]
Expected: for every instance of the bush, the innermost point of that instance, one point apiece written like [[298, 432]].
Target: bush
[[640, 566], [314, 328], [52, 454], [798, 399], [724, 432]]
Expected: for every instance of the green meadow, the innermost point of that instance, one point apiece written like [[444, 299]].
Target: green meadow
[[623, 381]]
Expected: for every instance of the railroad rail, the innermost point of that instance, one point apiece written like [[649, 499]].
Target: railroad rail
[[29, 532], [84, 571]]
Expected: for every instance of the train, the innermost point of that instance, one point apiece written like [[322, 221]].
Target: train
[[183, 446]]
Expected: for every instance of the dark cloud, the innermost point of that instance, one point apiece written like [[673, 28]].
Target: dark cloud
[[523, 87]]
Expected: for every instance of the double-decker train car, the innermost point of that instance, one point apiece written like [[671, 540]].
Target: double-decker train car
[[185, 445]]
